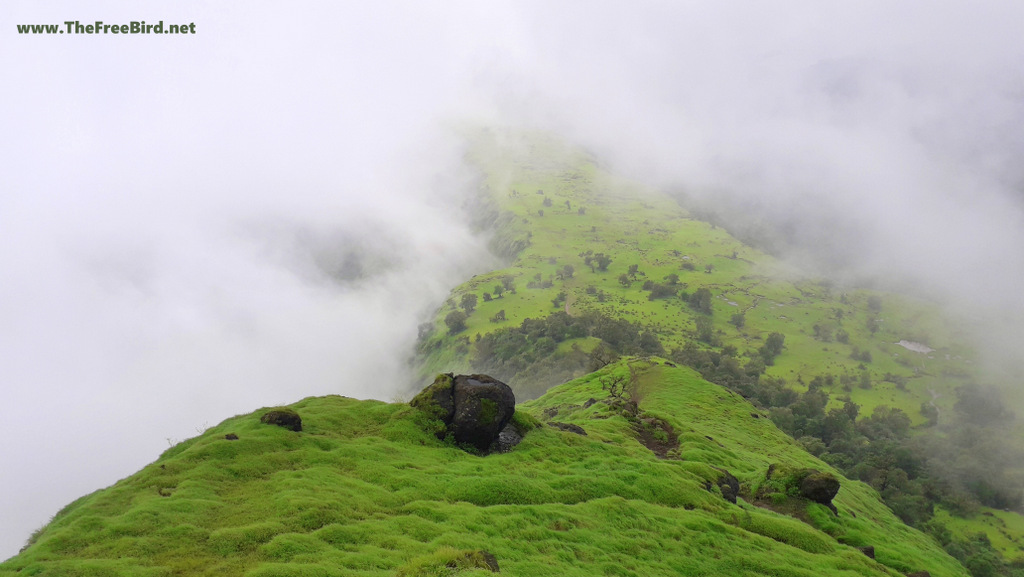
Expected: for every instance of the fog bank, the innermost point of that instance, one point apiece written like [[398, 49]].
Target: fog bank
[[193, 227]]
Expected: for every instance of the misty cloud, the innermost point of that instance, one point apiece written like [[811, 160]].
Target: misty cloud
[[194, 227], [875, 143]]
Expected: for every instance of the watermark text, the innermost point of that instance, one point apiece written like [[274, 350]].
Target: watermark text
[[100, 27]]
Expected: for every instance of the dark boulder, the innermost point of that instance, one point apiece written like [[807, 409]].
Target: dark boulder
[[508, 437], [231, 437], [475, 409], [729, 485], [819, 487], [283, 417], [868, 550], [483, 406], [919, 574], [568, 427]]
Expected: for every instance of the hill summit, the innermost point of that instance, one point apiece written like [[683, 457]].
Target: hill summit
[[641, 468]]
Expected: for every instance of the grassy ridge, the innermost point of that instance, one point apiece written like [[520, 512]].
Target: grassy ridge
[[364, 490], [634, 226], [849, 334]]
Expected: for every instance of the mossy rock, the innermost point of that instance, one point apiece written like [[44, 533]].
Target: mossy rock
[[474, 408], [818, 487], [283, 417], [780, 483], [483, 406], [437, 399]]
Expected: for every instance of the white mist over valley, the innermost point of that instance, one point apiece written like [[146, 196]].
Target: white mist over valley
[[194, 227]]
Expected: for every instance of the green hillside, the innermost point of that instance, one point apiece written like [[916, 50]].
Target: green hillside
[[687, 357], [553, 206], [364, 489], [881, 385]]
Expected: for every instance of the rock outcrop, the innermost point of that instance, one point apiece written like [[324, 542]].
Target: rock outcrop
[[508, 437], [819, 487], [568, 427], [729, 485], [782, 482], [283, 417], [474, 408]]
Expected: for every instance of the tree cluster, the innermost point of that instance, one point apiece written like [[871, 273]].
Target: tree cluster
[[512, 353], [961, 464]]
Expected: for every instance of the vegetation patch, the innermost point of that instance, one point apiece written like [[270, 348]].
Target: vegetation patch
[[449, 561]]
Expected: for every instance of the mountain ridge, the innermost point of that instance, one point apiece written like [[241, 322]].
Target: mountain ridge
[[723, 371]]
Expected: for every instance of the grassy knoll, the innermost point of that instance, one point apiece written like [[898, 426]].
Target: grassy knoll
[[363, 489]]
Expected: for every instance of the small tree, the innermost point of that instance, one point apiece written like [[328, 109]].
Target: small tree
[[603, 261], [772, 347], [705, 332], [672, 279], [509, 282], [633, 270], [865, 380], [456, 321], [700, 301], [498, 290], [872, 325], [738, 320], [624, 280], [615, 385], [468, 303], [568, 271], [600, 357], [498, 316], [487, 297], [559, 299]]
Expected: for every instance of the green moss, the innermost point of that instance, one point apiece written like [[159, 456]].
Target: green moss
[[427, 399], [488, 411], [524, 422]]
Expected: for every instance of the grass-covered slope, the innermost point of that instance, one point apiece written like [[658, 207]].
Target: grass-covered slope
[[553, 206], [582, 244], [365, 490]]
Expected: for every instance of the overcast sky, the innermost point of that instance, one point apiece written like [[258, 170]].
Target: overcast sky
[[181, 217]]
